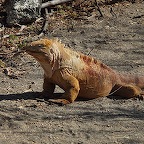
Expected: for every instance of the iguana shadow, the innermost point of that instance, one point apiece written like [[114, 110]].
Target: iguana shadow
[[24, 96], [35, 95]]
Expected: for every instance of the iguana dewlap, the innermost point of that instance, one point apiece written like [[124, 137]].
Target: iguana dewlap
[[80, 75]]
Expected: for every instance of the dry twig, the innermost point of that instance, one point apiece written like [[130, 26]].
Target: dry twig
[[54, 2], [45, 24], [98, 8]]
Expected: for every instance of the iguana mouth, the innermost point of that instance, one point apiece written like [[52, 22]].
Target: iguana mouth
[[32, 51], [36, 54], [34, 48]]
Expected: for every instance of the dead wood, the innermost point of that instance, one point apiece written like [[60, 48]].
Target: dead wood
[[45, 24], [54, 2]]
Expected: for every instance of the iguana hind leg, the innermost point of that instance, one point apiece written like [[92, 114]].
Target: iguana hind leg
[[70, 85], [127, 91]]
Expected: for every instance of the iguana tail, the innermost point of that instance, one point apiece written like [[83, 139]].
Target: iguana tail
[[132, 79]]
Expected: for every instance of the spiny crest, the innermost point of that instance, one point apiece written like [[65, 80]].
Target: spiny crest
[[46, 42], [49, 42], [89, 60], [58, 42]]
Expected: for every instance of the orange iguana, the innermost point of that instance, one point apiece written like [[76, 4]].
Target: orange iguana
[[80, 75]]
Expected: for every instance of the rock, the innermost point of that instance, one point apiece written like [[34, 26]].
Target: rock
[[1, 25], [22, 11]]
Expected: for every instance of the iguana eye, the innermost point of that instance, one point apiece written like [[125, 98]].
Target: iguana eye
[[39, 45]]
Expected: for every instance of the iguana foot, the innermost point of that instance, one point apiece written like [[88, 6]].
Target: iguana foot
[[59, 101], [141, 96]]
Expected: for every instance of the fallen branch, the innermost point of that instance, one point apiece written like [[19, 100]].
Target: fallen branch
[[45, 24], [17, 34], [98, 8], [90, 51], [52, 3], [44, 28]]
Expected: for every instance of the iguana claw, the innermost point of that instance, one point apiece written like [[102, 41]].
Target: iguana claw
[[59, 101]]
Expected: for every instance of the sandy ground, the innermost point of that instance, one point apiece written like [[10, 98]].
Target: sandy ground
[[117, 40]]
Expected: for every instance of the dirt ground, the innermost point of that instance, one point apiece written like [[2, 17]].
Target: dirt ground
[[118, 41]]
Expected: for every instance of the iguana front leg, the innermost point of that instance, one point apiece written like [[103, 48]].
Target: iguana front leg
[[70, 85], [48, 88]]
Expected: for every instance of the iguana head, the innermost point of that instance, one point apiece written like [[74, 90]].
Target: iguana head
[[39, 47], [45, 51]]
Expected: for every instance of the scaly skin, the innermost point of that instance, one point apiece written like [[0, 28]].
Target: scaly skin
[[80, 75]]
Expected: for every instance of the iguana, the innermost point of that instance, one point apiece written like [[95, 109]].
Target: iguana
[[80, 75]]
